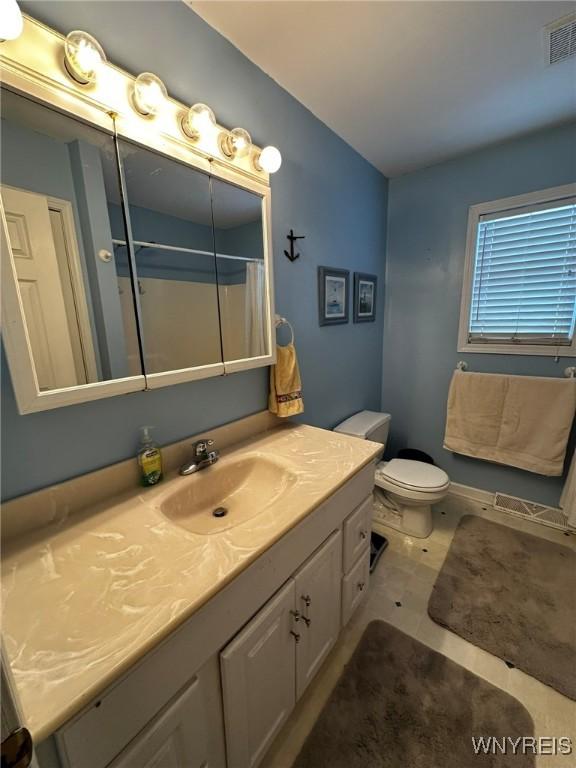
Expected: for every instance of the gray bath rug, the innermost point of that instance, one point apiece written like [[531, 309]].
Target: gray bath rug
[[400, 704], [513, 595]]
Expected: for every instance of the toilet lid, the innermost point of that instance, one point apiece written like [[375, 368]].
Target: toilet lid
[[413, 474]]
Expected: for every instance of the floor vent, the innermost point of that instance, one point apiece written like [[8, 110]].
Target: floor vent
[[536, 513], [561, 39]]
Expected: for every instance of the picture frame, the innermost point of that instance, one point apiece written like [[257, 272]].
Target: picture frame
[[365, 290], [333, 291]]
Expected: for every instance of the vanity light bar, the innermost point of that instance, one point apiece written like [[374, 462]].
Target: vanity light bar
[[84, 58]]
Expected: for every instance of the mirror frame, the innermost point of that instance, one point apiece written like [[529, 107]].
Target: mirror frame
[[33, 66]]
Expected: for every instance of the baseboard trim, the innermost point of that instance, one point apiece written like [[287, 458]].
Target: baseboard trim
[[476, 494]]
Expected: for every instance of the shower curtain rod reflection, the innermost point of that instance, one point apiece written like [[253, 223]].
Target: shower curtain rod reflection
[[181, 249]]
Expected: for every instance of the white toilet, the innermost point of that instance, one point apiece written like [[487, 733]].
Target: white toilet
[[405, 490]]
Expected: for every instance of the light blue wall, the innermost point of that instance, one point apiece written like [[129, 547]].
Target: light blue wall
[[427, 218], [323, 190]]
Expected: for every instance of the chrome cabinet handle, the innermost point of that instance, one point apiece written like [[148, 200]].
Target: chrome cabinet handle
[[297, 615], [307, 600], [295, 635], [361, 585]]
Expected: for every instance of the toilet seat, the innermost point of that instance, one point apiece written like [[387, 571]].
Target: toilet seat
[[412, 476]]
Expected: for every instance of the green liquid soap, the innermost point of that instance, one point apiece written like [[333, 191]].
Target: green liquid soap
[[149, 459]]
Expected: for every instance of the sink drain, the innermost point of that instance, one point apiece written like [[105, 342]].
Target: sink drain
[[220, 512]]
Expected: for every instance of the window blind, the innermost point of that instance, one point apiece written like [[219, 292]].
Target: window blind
[[524, 287]]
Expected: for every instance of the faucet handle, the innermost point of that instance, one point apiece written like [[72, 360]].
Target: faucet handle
[[201, 446]]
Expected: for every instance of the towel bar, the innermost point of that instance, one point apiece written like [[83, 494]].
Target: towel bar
[[569, 372]]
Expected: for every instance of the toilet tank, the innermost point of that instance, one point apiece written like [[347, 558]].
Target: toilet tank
[[369, 425]]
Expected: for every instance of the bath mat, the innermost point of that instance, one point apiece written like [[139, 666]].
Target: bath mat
[[400, 704], [513, 595]]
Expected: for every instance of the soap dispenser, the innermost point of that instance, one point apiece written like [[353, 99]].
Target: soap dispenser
[[149, 458]]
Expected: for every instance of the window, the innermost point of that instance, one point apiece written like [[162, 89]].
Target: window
[[519, 294]]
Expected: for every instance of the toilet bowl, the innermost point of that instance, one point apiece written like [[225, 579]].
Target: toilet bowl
[[405, 490], [409, 490]]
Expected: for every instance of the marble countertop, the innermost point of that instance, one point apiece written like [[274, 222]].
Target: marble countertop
[[84, 598]]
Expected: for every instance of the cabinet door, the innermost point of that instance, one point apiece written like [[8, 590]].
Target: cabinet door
[[258, 680], [177, 738], [318, 603]]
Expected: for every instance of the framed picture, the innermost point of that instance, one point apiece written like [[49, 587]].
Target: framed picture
[[364, 297], [333, 295]]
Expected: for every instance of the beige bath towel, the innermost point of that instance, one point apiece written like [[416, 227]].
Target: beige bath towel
[[285, 385], [522, 421]]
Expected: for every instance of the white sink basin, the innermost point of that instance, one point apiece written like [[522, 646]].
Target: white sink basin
[[227, 494]]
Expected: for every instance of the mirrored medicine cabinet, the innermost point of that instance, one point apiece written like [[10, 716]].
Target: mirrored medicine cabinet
[[124, 268]]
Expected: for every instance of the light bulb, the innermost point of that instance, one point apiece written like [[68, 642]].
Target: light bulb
[[83, 57], [197, 121], [148, 94], [241, 142], [11, 23], [234, 143], [269, 160]]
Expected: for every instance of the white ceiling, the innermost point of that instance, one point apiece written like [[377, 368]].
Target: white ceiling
[[409, 84]]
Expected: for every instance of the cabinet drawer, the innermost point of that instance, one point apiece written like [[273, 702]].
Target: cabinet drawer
[[357, 532], [355, 586]]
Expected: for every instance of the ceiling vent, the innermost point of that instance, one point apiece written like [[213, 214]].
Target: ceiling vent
[[561, 39]]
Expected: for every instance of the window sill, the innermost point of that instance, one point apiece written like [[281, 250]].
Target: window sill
[[517, 349]]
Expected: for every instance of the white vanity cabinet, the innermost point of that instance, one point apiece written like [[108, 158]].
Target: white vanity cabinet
[[216, 691], [267, 667]]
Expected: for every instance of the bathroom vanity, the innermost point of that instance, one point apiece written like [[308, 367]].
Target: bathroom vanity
[[143, 631]]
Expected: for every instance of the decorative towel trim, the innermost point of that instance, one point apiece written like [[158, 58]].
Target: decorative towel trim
[[289, 397]]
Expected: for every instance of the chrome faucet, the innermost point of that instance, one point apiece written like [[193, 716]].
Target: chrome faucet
[[203, 457]]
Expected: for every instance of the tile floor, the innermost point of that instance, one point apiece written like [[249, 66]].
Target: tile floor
[[405, 575]]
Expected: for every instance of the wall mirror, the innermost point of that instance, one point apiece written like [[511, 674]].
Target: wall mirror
[[170, 223], [239, 244], [124, 267], [69, 322]]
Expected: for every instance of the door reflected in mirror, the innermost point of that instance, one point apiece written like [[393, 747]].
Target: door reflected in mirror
[[239, 241], [171, 225], [59, 182]]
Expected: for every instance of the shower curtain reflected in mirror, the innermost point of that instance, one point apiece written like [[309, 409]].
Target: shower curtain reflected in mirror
[[255, 310]]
